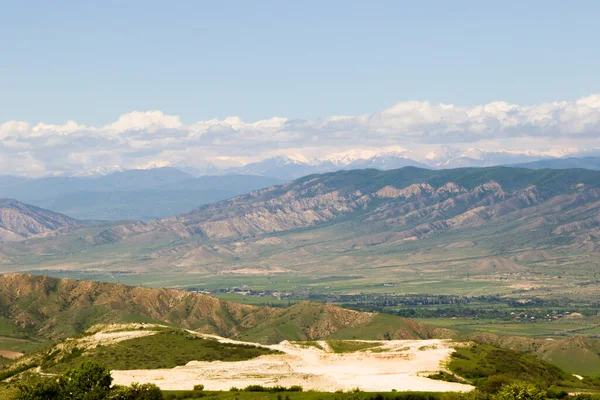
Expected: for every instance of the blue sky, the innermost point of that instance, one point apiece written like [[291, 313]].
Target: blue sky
[[131, 84], [91, 61]]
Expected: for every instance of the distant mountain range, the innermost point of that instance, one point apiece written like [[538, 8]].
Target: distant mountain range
[[592, 163], [157, 192], [459, 222], [134, 194], [292, 167]]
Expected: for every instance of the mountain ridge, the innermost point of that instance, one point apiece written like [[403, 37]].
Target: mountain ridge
[[19, 221], [471, 223], [58, 308]]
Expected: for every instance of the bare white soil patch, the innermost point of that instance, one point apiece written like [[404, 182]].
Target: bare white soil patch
[[106, 335], [397, 364]]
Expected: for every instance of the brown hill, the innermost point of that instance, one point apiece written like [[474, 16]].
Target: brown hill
[[19, 221], [55, 309]]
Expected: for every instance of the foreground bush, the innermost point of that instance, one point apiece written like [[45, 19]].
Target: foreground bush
[[136, 391], [274, 389], [520, 391], [89, 381]]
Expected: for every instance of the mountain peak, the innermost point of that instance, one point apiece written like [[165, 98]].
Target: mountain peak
[[443, 154], [19, 221]]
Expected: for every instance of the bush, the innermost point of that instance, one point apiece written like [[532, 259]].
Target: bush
[[198, 388], [274, 389], [495, 383], [37, 388], [90, 381], [255, 388], [556, 393], [147, 391], [520, 391], [444, 376]]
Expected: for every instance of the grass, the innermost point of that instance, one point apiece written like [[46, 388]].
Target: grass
[[309, 395], [581, 357], [511, 328], [20, 345], [380, 325], [254, 300], [350, 346], [485, 365], [166, 349]]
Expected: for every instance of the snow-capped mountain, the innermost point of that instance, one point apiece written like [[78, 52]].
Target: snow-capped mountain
[[296, 166], [293, 165], [281, 167], [360, 155], [385, 163], [449, 157], [441, 155], [97, 172]]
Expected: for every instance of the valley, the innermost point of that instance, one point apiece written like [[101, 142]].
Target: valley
[[499, 256]]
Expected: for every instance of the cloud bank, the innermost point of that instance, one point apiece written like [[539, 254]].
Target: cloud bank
[[140, 139]]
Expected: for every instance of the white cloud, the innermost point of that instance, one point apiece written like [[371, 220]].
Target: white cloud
[[149, 120], [150, 137]]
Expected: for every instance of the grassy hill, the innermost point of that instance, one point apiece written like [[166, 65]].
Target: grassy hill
[[575, 354], [54, 309], [488, 367]]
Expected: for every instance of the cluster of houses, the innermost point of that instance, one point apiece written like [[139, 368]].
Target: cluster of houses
[[553, 316]]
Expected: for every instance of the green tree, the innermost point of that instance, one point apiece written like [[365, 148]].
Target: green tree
[[89, 381], [35, 387]]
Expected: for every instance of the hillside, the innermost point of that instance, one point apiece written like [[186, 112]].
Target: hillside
[[19, 221], [574, 354], [408, 226], [409, 197], [592, 163], [55, 309]]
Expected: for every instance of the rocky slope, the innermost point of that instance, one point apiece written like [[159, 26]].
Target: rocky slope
[[472, 221], [56, 309], [19, 221], [415, 202]]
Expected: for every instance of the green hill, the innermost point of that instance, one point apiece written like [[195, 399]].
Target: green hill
[[55, 309]]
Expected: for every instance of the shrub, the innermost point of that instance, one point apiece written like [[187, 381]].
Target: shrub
[[520, 391], [37, 388], [147, 391], [198, 388], [90, 381], [255, 388], [444, 376], [274, 389], [495, 383]]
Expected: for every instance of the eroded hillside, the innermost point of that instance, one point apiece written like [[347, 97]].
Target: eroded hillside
[[382, 225], [55, 309], [20, 221]]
